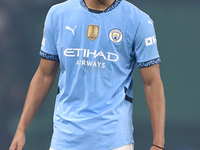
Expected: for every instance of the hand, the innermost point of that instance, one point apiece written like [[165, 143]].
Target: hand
[[18, 141]]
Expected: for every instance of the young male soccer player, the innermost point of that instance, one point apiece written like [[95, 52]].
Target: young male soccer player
[[97, 44]]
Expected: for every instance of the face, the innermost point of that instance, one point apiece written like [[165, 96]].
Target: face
[[101, 1]]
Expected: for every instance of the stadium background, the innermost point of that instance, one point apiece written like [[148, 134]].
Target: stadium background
[[178, 28]]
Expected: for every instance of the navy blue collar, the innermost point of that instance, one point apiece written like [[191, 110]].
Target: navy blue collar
[[110, 8]]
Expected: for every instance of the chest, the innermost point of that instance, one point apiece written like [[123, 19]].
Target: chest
[[93, 38]]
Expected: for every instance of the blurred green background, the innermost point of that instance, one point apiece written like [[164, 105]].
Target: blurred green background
[[177, 26]]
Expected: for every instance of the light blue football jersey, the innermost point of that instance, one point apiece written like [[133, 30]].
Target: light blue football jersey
[[98, 52]]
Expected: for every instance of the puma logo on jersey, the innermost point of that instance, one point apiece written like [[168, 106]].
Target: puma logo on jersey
[[68, 28]]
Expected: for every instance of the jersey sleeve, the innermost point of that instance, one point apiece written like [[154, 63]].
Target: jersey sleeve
[[48, 46], [145, 44]]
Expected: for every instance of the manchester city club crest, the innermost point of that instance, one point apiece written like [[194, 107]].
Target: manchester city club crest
[[92, 32], [116, 35]]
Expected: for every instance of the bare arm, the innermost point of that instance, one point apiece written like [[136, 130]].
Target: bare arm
[[39, 87], [154, 92]]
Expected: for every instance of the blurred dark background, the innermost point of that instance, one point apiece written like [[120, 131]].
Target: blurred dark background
[[177, 26]]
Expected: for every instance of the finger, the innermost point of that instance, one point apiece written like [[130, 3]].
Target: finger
[[19, 147], [13, 147]]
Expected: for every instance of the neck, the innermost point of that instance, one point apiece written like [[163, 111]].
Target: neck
[[98, 4]]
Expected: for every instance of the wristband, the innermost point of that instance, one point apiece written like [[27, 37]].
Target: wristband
[[158, 147]]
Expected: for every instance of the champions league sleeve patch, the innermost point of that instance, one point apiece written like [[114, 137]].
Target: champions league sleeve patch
[[43, 39], [116, 35]]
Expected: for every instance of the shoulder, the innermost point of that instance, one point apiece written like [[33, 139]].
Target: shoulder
[[64, 6], [135, 12]]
